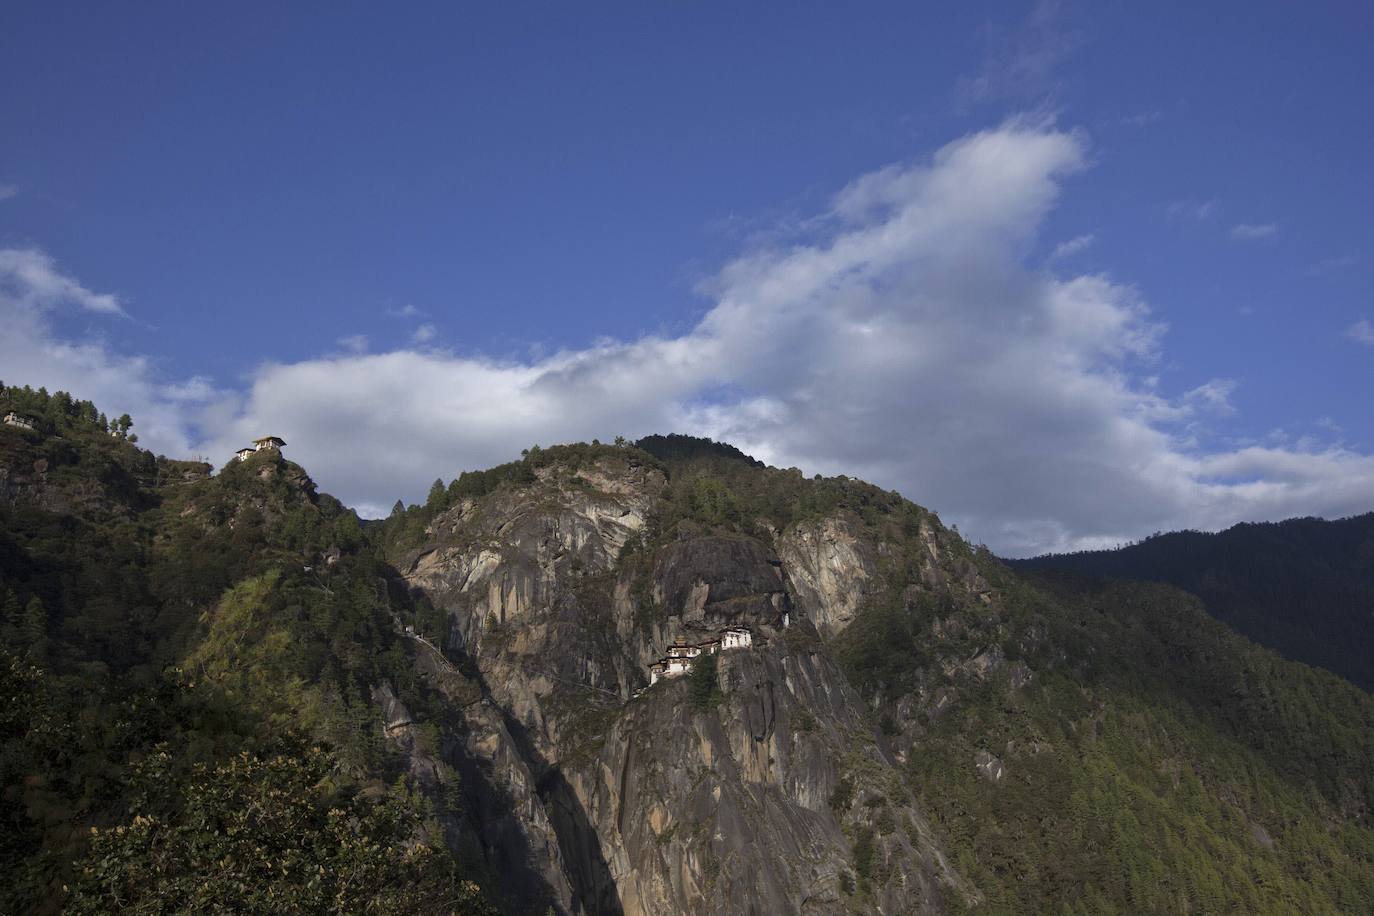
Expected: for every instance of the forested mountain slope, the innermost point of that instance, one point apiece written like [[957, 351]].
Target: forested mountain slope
[[1304, 587], [220, 690], [186, 722]]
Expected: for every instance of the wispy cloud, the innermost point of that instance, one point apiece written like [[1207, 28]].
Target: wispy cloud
[[33, 292], [1213, 396], [1362, 332], [405, 311], [1254, 231], [424, 334], [7, 191], [1333, 265], [33, 276], [356, 343], [1192, 209], [1143, 119], [1021, 62], [1330, 425], [1072, 246]]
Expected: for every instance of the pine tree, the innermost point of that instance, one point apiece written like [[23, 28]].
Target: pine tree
[[35, 628], [11, 617], [702, 689], [438, 496]]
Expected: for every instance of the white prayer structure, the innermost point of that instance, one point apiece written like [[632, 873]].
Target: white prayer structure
[[678, 661], [266, 443], [736, 638], [14, 419]]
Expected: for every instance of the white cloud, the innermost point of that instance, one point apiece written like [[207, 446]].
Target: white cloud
[[1252, 231], [32, 279], [908, 344], [354, 343], [1361, 332], [405, 311], [424, 334], [7, 191], [32, 292], [906, 340], [1072, 246]]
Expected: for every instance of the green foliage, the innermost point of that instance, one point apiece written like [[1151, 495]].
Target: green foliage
[[712, 502], [1144, 762], [842, 796], [884, 649], [703, 686], [678, 448], [173, 646], [1301, 587], [863, 857], [257, 833]]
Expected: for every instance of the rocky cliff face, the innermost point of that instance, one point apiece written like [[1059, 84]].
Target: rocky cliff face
[[776, 798]]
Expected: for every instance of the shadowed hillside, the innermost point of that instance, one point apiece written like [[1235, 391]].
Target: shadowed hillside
[[1304, 587]]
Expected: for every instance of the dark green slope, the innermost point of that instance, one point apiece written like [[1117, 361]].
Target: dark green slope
[[184, 722], [1304, 587]]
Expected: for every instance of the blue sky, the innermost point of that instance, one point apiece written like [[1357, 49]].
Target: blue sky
[[475, 228]]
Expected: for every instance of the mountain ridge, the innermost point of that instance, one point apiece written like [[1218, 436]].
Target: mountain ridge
[[1303, 587], [930, 732]]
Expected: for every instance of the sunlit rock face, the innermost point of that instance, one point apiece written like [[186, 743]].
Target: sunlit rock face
[[612, 798]]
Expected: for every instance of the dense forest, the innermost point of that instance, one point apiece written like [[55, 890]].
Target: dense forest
[[188, 720], [184, 682], [1303, 587]]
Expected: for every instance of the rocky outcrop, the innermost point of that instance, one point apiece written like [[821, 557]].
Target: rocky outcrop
[[830, 566], [751, 807], [641, 803], [720, 580]]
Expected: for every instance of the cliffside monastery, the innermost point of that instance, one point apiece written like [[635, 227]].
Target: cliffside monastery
[[680, 655]]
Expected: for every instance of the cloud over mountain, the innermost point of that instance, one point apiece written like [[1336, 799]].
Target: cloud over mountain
[[908, 340]]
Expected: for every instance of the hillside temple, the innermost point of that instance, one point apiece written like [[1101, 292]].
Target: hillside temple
[[265, 443]]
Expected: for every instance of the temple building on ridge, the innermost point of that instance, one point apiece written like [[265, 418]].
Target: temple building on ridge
[[266, 443]]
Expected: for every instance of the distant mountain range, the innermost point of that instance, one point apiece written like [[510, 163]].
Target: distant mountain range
[[1304, 587]]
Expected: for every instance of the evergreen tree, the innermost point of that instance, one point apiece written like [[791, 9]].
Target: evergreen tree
[[438, 497], [11, 617], [35, 627], [701, 683]]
